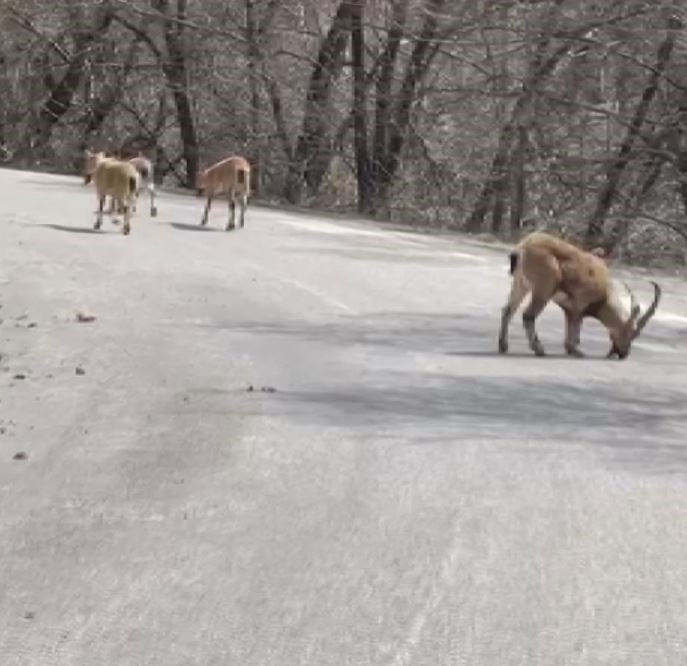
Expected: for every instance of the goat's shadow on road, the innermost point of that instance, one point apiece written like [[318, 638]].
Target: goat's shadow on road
[[78, 230], [488, 353], [56, 183], [183, 226]]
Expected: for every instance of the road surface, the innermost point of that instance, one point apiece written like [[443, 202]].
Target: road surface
[[390, 492]]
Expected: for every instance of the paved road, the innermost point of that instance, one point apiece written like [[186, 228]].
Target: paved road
[[402, 497]]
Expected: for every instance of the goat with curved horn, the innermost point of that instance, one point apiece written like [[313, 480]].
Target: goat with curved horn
[[552, 269]]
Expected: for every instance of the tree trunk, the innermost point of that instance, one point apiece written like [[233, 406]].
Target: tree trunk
[[614, 173], [360, 139], [390, 140], [253, 55], [384, 96], [176, 72], [103, 107], [62, 92], [312, 155], [518, 185], [496, 180]]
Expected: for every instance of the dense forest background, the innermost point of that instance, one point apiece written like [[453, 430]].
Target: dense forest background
[[488, 116]]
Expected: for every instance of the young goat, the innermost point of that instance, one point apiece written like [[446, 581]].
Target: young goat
[[145, 169], [578, 282], [120, 181], [230, 176], [141, 163]]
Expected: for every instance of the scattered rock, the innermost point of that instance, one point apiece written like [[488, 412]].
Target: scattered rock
[[19, 375], [22, 317], [29, 615], [20, 455], [80, 371], [32, 324], [262, 389], [84, 318]]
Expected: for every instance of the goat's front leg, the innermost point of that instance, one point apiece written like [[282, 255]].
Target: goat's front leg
[[151, 190], [206, 212], [128, 209], [573, 325], [231, 224]]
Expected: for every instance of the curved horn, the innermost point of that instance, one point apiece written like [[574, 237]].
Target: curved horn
[[634, 305], [644, 319]]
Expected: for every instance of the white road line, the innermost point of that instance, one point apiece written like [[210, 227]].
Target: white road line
[[670, 316], [444, 579], [340, 230], [303, 287]]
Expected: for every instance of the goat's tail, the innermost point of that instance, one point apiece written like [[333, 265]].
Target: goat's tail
[[513, 256]]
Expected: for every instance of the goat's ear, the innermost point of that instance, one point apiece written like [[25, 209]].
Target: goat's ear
[[598, 252]]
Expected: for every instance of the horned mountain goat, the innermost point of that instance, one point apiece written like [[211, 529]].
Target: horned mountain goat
[[577, 281], [230, 176], [120, 181]]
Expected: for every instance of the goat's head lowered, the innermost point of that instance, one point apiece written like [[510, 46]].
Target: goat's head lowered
[[623, 335]]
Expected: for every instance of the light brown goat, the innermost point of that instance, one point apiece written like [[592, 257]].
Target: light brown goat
[[90, 162], [120, 181], [578, 282], [230, 176], [142, 164]]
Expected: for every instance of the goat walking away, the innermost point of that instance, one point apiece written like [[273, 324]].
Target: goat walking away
[[120, 181], [579, 283], [230, 176], [145, 169], [141, 163]]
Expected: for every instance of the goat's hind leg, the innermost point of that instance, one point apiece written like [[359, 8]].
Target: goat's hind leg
[[244, 204], [535, 307], [206, 212], [518, 291], [99, 213], [573, 326]]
